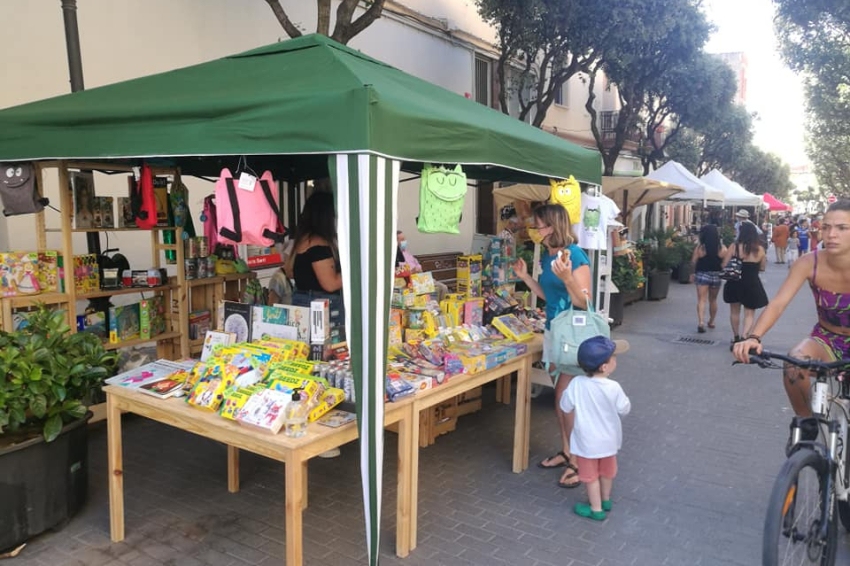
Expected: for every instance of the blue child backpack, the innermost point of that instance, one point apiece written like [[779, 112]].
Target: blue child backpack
[[441, 193]]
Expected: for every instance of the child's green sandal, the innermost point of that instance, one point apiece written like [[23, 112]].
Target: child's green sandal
[[584, 510], [606, 505]]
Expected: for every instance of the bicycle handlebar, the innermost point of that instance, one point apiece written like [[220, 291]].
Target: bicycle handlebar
[[763, 360]]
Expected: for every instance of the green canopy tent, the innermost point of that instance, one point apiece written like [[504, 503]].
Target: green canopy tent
[[306, 108]]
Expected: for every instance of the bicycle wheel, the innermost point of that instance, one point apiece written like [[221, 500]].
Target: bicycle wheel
[[794, 514]]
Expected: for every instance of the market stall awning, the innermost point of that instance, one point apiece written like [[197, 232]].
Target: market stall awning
[[307, 108], [630, 192], [733, 193], [694, 189], [310, 96], [774, 204]]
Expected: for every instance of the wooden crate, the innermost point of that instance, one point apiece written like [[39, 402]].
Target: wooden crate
[[469, 402], [437, 420]]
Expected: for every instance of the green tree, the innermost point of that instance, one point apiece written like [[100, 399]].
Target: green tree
[[719, 143], [663, 35], [346, 25], [691, 94], [814, 36], [542, 44], [761, 172]]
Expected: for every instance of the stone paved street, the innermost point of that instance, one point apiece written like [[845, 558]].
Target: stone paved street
[[702, 446]]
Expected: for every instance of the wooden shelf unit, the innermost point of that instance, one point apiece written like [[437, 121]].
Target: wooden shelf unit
[[171, 344], [206, 293]]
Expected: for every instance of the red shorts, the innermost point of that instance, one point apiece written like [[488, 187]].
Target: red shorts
[[589, 469]]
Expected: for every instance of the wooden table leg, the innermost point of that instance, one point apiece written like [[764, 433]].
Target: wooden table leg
[[304, 490], [232, 469], [522, 421], [294, 504], [414, 472], [407, 442], [116, 470]]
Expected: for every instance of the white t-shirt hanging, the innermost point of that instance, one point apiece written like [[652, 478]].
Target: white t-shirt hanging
[[596, 214]]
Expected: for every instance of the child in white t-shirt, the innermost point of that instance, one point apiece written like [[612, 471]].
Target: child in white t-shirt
[[792, 251], [597, 434]]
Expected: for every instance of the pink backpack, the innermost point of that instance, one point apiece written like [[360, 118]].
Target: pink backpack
[[248, 216]]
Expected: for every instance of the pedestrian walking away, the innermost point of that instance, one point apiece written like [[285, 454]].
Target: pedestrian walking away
[[747, 292], [707, 259]]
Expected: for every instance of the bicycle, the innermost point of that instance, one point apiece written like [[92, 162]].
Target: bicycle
[[800, 526]]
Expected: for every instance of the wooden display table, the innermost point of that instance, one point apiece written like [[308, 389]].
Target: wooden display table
[[295, 452]]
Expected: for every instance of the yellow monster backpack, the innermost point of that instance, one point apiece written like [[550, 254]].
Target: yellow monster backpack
[[567, 193]]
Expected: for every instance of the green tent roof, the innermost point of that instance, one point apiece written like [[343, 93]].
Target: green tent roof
[[309, 95]]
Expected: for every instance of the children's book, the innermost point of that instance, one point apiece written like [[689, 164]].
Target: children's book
[[124, 323], [336, 418], [299, 318], [148, 373], [265, 410], [82, 189], [164, 388], [237, 319], [272, 322], [216, 338], [152, 317]]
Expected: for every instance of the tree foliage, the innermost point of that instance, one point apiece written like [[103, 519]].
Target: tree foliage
[[542, 44], [346, 25], [760, 172], [815, 39], [715, 144], [663, 36]]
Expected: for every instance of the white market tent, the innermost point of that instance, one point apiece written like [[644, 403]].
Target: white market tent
[[694, 189], [734, 194]]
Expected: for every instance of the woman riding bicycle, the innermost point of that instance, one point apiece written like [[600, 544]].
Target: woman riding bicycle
[[828, 272]]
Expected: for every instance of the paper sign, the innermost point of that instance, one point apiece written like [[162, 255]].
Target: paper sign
[[247, 181]]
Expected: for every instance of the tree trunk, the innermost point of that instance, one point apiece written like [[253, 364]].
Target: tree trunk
[[345, 28], [284, 20], [323, 22]]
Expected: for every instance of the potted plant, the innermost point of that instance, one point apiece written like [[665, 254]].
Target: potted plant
[[659, 258], [684, 249], [47, 376]]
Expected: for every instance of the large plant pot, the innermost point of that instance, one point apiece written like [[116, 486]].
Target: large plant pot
[[615, 309], [42, 484], [632, 296], [686, 269], [659, 284]]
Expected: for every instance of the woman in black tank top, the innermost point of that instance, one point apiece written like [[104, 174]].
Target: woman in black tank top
[[707, 259]]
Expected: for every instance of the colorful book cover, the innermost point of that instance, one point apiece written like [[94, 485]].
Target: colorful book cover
[[272, 322], [512, 328], [124, 323], [199, 322], [163, 388], [237, 319], [152, 317], [336, 418], [153, 371], [265, 410], [213, 339], [299, 318]]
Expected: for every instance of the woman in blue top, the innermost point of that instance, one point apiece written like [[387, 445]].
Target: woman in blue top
[[564, 282]]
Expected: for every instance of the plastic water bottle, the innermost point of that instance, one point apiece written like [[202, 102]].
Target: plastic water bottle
[[295, 416]]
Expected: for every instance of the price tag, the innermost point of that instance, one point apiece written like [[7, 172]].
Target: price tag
[[137, 173], [247, 181]]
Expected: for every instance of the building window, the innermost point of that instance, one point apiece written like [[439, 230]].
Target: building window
[[482, 80], [562, 97]]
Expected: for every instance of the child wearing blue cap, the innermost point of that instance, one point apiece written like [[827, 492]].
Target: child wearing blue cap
[[598, 403]]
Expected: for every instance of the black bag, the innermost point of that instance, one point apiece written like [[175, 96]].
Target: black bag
[[18, 189], [734, 268]]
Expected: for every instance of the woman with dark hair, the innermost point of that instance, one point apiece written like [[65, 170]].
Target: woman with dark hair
[[315, 260], [826, 271], [748, 290], [707, 259], [564, 282]]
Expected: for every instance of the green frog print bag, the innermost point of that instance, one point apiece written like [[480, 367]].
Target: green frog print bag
[[441, 193]]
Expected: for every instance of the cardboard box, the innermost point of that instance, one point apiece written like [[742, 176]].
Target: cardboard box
[[320, 320], [152, 317], [124, 323]]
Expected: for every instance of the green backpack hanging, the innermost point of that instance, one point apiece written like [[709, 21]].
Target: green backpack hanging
[[441, 193]]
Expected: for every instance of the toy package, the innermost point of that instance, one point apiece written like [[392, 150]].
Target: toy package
[[124, 323], [152, 317], [265, 410]]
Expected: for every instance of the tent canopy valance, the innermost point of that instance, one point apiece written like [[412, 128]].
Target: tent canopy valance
[[774, 204], [694, 189], [289, 104], [306, 108], [733, 193]]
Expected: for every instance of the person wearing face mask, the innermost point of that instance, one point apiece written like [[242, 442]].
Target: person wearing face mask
[[564, 282], [403, 254]]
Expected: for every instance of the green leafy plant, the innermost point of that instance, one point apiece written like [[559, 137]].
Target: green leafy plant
[[659, 253], [684, 249], [727, 235], [47, 374], [626, 272]]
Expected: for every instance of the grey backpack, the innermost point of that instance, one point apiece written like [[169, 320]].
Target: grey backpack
[[18, 189]]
